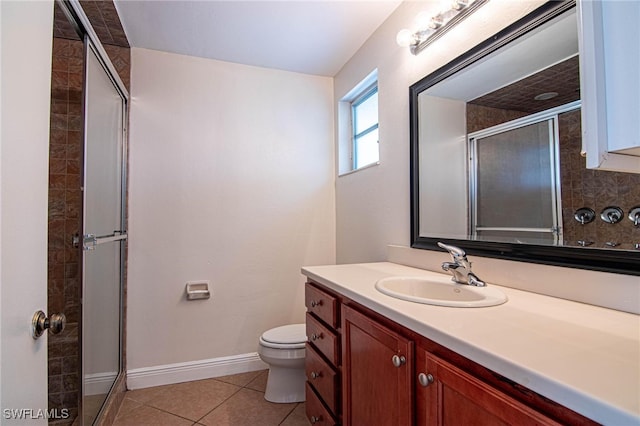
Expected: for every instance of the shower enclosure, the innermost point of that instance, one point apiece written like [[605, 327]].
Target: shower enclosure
[[514, 179], [89, 200], [103, 233]]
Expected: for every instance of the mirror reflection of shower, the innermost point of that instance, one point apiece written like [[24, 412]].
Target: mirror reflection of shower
[[514, 179], [535, 73]]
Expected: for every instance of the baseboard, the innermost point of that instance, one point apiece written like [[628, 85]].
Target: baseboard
[[158, 375], [99, 383]]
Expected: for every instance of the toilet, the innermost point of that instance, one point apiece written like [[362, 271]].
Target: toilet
[[283, 349]]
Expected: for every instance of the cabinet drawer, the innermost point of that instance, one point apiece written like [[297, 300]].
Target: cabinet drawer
[[322, 304], [322, 377], [323, 339], [317, 414]]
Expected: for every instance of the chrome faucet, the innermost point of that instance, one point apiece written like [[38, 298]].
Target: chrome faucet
[[460, 268]]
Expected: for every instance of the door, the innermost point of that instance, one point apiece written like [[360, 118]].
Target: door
[[514, 180], [377, 368], [26, 80], [104, 234], [447, 395]]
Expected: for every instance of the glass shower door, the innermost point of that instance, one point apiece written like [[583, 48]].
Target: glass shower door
[[104, 235], [514, 183]]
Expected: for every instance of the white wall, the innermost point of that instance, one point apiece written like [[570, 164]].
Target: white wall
[[443, 205], [231, 180], [373, 204]]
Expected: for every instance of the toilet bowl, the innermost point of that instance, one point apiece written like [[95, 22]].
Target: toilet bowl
[[283, 349]]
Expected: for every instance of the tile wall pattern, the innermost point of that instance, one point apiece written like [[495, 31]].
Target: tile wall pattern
[[596, 189], [65, 205]]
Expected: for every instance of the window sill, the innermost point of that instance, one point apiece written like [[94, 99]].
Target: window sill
[[368, 166]]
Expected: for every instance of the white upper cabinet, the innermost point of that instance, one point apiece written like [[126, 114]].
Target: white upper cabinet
[[609, 36]]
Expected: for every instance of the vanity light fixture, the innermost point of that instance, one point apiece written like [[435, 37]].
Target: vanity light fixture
[[430, 28]]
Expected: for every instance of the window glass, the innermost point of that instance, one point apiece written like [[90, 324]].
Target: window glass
[[366, 149], [365, 128], [366, 113]]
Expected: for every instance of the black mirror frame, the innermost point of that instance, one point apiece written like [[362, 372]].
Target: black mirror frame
[[623, 262]]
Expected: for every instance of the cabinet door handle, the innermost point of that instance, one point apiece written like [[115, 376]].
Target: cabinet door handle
[[315, 375], [315, 336], [425, 379], [315, 419], [315, 303], [398, 361]]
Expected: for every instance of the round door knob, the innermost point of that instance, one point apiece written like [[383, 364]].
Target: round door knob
[[315, 303], [398, 361], [315, 336], [425, 379], [315, 419], [39, 323], [315, 375]]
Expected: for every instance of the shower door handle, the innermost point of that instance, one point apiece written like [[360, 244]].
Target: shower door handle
[[90, 241]]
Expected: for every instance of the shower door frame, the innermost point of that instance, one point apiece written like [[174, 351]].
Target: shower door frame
[[472, 140], [90, 241], [79, 20]]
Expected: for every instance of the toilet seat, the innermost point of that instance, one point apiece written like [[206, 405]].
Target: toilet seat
[[292, 336]]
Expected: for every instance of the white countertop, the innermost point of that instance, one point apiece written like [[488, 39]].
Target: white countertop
[[584, 357]]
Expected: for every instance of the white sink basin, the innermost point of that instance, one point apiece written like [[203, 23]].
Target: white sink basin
[[440, 291]]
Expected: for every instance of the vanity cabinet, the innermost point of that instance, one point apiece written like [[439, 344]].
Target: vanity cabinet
[[377, 372], [369, 370], [610, 88], [447, 395], [322, 363]]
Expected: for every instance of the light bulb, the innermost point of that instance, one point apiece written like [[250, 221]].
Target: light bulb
[[460, 4], [436, 22], [422, 21], [405, 38]]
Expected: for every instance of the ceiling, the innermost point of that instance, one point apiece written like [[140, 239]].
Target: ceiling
[[563, 79], [311, 37]]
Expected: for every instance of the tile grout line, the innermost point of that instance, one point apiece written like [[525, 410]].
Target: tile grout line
[[142, 404], [225, 400], [290, 413], [197, 422]]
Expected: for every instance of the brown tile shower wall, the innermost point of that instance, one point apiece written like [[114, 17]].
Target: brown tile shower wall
[[65, 203], [481, 117], [595, 189]]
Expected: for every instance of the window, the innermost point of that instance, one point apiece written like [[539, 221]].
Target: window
[[364, 123], [358, 126]]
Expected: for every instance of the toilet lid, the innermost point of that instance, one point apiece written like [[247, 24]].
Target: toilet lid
[[287, 334]]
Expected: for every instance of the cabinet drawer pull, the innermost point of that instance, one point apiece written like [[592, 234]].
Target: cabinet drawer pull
[[315, 419], [315, 375], [315, 336], [425, 379], [398, 361], [315, 303]]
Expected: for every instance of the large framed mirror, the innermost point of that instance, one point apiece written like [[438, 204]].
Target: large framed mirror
[[496, 164]]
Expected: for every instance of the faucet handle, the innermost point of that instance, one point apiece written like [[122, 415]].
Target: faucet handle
[[456, 252]]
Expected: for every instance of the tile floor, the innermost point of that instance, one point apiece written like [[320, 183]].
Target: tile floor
[[235, 400]]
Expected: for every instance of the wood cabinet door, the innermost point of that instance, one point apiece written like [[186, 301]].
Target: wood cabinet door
[[446, 395], [377, 373]]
